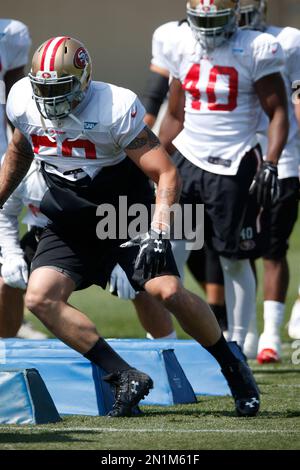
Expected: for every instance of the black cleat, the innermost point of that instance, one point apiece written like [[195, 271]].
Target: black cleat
[[131, 386], [243, 388]]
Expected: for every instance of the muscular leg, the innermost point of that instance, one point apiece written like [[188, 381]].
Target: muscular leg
[[206, 268], [47, 294], [197, 319], [193, 314], [276, 279], [11, 310], [154, 318], [215, 294]]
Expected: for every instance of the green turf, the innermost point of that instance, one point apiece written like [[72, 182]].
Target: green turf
[[209, 424], [117, 318]]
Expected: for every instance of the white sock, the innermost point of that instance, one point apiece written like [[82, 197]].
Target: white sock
[[273, 317], [252, 329], [240, 296], [251, 341], [172, 335]]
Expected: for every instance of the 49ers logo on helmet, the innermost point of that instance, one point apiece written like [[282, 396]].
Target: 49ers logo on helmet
[[81, 58], [207, 6]]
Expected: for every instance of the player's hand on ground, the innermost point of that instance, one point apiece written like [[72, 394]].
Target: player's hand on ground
[[14, 272], [119, 284], [265, 185], [151, 258]]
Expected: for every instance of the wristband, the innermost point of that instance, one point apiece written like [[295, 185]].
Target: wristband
[[165, 231]]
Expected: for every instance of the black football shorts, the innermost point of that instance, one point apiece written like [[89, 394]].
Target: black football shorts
[[205, 266], [91, 261], [282, 218], [70, 243], [225, 200]]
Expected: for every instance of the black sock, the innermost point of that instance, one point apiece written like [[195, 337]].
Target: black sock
[[221, 315], [104, 356], [222, 353]]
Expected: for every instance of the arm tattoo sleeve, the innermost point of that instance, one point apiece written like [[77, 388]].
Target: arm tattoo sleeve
[[145, 139], [17, 162], [169, 195]]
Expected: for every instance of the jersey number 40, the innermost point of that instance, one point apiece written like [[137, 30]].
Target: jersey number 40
[[191, 85]]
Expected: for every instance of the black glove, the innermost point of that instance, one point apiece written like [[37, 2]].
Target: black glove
[[265, 185], [151, 258]]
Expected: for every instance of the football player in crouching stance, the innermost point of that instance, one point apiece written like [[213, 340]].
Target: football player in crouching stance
[[94, 147]]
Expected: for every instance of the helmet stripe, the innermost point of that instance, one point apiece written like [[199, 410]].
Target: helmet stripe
[[52, 60], [45, 52], [50, 52]]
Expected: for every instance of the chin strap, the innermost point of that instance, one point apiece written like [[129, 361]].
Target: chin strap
[[82, 133], [47, 131]]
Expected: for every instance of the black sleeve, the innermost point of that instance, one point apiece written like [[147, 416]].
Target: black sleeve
[[157, 87]]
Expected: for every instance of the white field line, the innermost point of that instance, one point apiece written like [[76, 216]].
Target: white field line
[[288, 385], [25, 428]]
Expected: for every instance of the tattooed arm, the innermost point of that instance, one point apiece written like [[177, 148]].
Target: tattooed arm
[[149, 155], [18, 158]]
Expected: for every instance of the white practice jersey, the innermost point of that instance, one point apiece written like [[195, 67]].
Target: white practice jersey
[[101, 127], [163, 39], [289, 39], [222, 110], [15, 44], [28, 194]]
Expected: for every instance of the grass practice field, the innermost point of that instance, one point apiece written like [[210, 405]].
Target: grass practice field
[[209, 424]]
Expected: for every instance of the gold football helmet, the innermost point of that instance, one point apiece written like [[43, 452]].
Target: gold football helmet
[[253, 14], [212, 21], [60, 76]]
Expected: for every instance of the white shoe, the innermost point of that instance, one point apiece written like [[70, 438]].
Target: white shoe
[[269, 349], [294, 323], [28, 332], [251, 345]]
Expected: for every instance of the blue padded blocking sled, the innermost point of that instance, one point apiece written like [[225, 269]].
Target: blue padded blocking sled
[[72, 380], [75, 384], [24, 398], [171, 386], [201, 369]]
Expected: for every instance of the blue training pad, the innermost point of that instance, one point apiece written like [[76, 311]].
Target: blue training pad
[[74, 383]]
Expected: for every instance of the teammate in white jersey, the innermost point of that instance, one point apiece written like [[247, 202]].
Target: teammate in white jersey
[[16, 255], [223, 75], [94, 148], [157, 85], [284, 213], [15, 44], [203, 264]]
